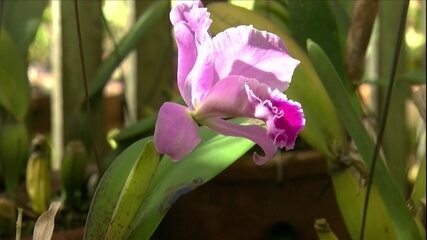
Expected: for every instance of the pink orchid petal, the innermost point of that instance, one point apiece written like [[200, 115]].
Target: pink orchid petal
[[254, 133], [176, 133], [248, 52], [194, 16], [187, 55], [201, 76], [195, 49], [226, 99], [229, 98]]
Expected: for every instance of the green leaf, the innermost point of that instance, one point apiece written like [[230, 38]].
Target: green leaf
[[397, 153], [310, 20], [174, 179], [342, 10], [350, 194], [15, 88], [313, 19], [22, 19], [13, 153], [171, 180], [348, 109], [109, 191], [137, 130], [130, 41], [419, 190], [322, 130], [275, 11], [133, 192]]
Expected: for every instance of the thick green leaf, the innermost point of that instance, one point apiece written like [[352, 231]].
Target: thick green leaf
[[13, 153], [171, 180], [350, 194], [133, 192], [142, 27], [137, 130], [15, 88], [397, 153], [348, 108], [315, 20], [174, 179], [419, 190], [21, 19], [109, 190], [342, 10], [322, 130], [275, 11]]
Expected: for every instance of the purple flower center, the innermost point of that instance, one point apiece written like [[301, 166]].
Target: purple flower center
[[284, 118], [286, 123]]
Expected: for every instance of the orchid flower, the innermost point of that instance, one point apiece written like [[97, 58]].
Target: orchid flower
[[241, 72]]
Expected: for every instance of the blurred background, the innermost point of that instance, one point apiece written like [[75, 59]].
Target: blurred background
[[55, 142]]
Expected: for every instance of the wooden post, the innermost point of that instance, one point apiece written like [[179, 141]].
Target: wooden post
[[131, 79], [57, 114]]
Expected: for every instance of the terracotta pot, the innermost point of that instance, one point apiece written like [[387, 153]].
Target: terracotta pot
[[282, 198]]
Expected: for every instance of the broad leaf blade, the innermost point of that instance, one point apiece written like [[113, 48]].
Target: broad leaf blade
[[397, 153], [174, 179], [350, 194], [22, 19], [348, 110], [133, 192], [111, 186], [14, 85], [312, 20], [108, 191], [13, 153], [419, 190]]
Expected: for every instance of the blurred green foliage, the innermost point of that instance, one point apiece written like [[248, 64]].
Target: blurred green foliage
[[335, 116]]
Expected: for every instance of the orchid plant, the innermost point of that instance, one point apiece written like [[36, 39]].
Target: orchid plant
[[234, 67], [240, 72]]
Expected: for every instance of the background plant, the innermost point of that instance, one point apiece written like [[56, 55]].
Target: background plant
[[340, 122]]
